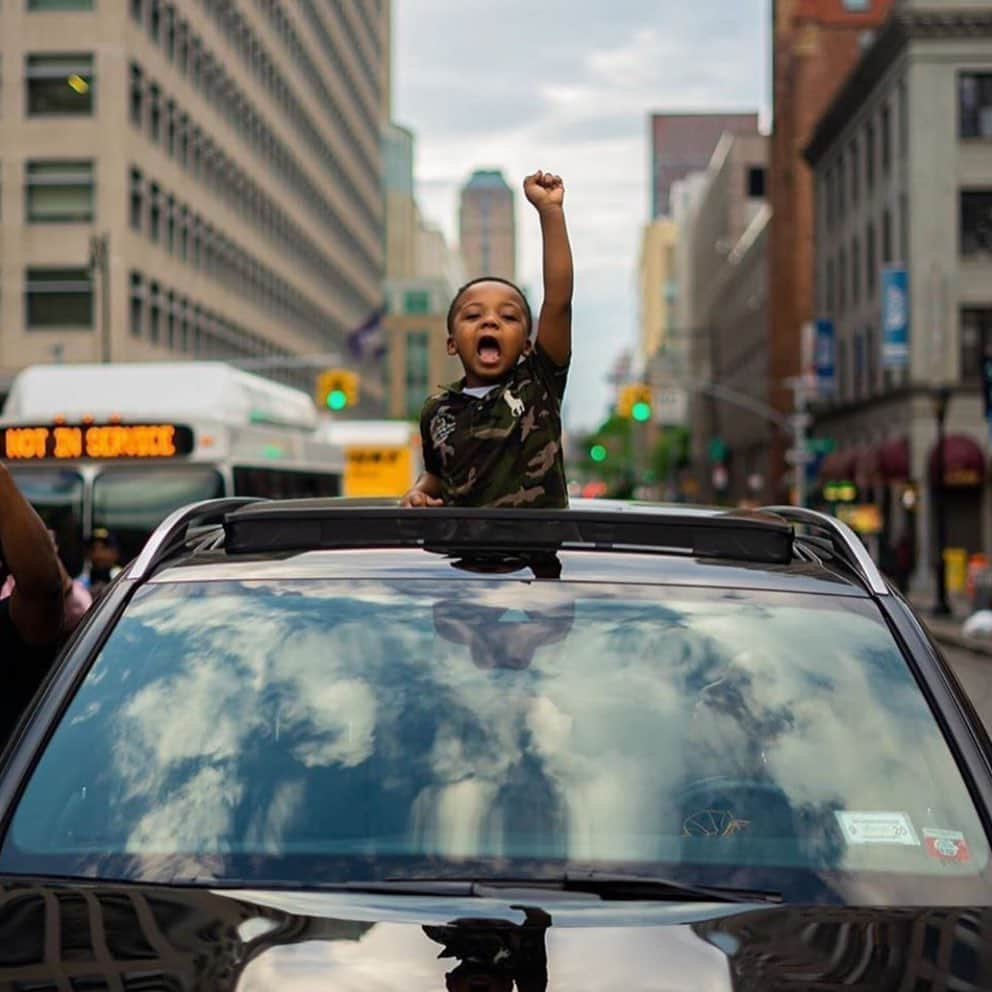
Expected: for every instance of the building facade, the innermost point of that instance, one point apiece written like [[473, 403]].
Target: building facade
[[657, 285], [487, 226], [190, 178], [725, 342], [684, 143], [903, 170], [815, 44]]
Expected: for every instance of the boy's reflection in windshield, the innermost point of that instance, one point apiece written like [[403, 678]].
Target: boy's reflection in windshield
[[495, 953]]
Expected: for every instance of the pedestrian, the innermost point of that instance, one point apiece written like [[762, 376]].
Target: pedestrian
[[102, 563], [31, 617], [494, 438]]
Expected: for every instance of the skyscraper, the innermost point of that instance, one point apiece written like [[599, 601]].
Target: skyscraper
[[189, 179], [487, 230]]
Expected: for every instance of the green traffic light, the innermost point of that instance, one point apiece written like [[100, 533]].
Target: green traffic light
[[336, 399], [641, 411], [597, 453]]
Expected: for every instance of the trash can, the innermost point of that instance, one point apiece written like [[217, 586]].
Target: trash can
[[956, 569]]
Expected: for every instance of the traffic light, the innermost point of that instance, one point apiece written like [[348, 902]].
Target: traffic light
[[337, 389], [634, 403], [598, 453]]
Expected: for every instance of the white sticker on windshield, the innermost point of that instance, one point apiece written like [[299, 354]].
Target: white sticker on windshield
[[877, 828]]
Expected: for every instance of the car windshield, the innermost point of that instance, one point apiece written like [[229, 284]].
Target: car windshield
[[308, 731]]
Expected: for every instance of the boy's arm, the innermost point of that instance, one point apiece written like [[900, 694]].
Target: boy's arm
[[426, 491], [554, 327]]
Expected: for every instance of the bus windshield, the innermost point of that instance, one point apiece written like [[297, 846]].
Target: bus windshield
[[57, 496], [131, 502]]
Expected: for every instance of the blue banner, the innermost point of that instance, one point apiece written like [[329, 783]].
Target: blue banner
[[895, 317], [824, 346]]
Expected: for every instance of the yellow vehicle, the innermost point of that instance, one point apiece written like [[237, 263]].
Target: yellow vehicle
[[381, 457]]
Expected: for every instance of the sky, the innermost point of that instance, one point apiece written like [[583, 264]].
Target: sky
[[567, 86]]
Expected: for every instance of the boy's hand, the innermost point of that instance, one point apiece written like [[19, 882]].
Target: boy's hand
[[417, 497], [544, 190]]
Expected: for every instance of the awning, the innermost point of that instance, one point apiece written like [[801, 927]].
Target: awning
[[830, 467], [893, 459], [866, 469], [964, 463]]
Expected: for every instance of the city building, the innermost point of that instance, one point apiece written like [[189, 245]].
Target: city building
[[726, 284], [486, 226], [402, 217], [190, 178], [903, 177], [815, 44], [657, 285], [684, 142]]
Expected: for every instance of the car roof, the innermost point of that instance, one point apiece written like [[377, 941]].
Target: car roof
[[779, 548]]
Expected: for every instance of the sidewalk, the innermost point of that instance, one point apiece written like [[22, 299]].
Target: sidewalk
[[947, 630]]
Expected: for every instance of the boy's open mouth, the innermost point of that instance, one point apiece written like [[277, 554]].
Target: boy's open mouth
[[488, 350]]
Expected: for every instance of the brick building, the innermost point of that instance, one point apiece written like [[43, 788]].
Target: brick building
[[815, 45]]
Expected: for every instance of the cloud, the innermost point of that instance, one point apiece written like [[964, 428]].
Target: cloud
[[568, 85]]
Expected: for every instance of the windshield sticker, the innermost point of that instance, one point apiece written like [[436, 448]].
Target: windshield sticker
[[946, 845], [877, 828]]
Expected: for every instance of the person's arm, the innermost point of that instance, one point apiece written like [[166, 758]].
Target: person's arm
[[29, 553], [426, 491], [554, 327]]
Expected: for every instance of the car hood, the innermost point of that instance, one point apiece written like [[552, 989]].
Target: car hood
[[156, 937]]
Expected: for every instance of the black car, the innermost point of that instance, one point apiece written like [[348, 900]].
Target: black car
[[338, 745]]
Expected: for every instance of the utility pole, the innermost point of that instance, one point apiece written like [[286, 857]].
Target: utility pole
[[100, 263]]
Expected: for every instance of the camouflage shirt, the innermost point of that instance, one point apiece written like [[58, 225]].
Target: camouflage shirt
[[503, 449]]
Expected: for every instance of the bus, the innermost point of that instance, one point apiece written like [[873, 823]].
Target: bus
[[120, 446], [381, 457]]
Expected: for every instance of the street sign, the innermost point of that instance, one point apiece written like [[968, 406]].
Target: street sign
[[796, 457], [823, 356], [821, 445]]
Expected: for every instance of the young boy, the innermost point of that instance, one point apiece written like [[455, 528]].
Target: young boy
[[494, 437]]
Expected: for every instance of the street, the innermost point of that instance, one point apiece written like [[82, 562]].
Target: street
[[975, 672]]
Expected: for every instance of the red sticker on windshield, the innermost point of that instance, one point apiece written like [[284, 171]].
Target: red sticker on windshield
[[946, 845]]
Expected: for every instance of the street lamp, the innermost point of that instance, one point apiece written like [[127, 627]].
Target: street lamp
[[941, 398]]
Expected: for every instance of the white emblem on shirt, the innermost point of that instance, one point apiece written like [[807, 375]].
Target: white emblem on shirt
[[516, 405]]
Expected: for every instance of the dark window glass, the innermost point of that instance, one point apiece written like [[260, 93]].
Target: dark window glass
[[886, 236], [871, 259], [976, 222], [137, 305], [154, 19], [855, 271], [57, 496], [154, 112], [871, 359], [154, 211], [976, 341], [855, 161], [417, 370], [60, 84], [756, 182], [870, 156], [416, 301], [842, 281], [137, 97], [59, 191], [154, 312], [60, 297], [975, 104], [60, 4], [137, 200], [886, 126]]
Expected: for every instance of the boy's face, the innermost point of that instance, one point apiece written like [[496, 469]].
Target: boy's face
[[489, 332]]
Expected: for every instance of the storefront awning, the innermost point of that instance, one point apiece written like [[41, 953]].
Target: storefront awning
[[964, 463], [866, 468], [893, 459]]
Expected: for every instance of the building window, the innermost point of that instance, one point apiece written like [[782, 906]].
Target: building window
[[137, 200], [170, 321], [154, 19], [855, 271], [886, 236], [137, 95], [416, 301], [841, 183], [855, 171], [59, 192], [60, 84], [904, 227], [60, 4], [136, 310], [170, 224], [870, 157], [830, 298], [756, 182], [154, 212], [859, 365], [903, 95], [857, 5], [59, 298], [842, 281], [828, 198], [976, 341], [154, 312], [976, 222], [417, 370], [171, 125], [154, 112], [871, 360], [886, 126], [975, 104], [871, 260], [842, 378]]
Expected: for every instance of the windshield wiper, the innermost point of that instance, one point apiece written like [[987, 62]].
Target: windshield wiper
[[606, 885]]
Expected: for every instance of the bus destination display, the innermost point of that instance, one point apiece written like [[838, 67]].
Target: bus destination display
[[62, 442]]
